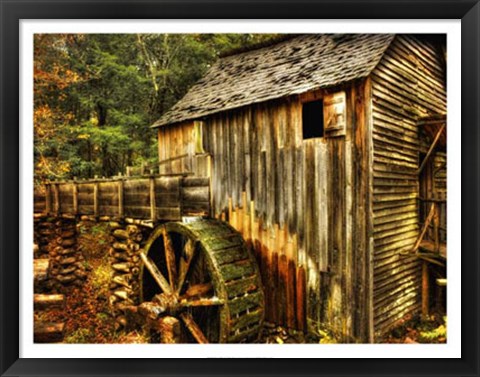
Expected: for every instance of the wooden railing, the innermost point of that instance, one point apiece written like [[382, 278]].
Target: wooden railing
[[143, 197]]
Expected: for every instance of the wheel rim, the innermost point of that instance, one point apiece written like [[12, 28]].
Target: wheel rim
[[192, 272]]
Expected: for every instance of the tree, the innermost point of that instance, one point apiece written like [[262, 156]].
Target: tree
[[97, 94]]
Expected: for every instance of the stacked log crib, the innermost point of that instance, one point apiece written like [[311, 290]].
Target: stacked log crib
[[125, 261], [56, 240]]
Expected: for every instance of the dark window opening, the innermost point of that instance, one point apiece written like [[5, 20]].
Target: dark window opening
[[312, 119]]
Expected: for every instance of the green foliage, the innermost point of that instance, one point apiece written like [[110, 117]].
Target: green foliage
[[103, 317], [101, 279], [431, 333], [95, 95], [80, 335]]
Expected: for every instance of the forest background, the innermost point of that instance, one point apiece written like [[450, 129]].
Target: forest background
[[96, 95]]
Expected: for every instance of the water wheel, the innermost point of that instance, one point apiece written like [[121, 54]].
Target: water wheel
[[203, 274]]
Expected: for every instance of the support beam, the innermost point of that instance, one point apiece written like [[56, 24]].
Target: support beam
[[425, 290], [431, 149], [425, 227]]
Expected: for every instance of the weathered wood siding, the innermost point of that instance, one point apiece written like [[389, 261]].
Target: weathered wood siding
[[296, 202], [408, 83], [180, 150], [175, 141]]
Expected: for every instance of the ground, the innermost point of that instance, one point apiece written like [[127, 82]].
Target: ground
[[88, 318], [416, 330]]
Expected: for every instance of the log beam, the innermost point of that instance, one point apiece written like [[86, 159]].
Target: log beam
[[43, 301], [48, 332]]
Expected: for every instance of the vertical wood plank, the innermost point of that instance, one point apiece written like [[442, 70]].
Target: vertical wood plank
[[153, 206], [271, 164], [310, 226], [254, 147], [121, 207], [56, 200], [48, 198], [291, 284], [95, 199], [300, 295], [425, 290], [322, 207], [75, 197], [247, 154], [282, 289], [349, 297], [299, 195]]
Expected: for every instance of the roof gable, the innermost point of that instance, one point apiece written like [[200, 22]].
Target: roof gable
[[295, 66]]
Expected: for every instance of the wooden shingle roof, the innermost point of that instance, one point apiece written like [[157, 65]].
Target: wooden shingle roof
[[294, 66]]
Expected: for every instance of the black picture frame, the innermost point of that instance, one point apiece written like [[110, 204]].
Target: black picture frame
[[13, 11]]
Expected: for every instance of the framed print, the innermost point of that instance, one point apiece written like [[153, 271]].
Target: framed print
[[231, 183]]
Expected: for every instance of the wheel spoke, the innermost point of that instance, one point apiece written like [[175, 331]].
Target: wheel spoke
[[202, 301], [156, 274], [170, 258], [193, 328], [195, 296], [185, 264], [197, 290]]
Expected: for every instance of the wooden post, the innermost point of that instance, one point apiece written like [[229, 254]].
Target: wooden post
[[120, 198], [153, 212], [210, 185], [436, 227], [56, 199], [169, 329], [48, 198], [95, 199], [129, 171], [425, 289], [75, 198]]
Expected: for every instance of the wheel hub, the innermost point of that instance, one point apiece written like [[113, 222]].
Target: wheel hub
[[167, 303]]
